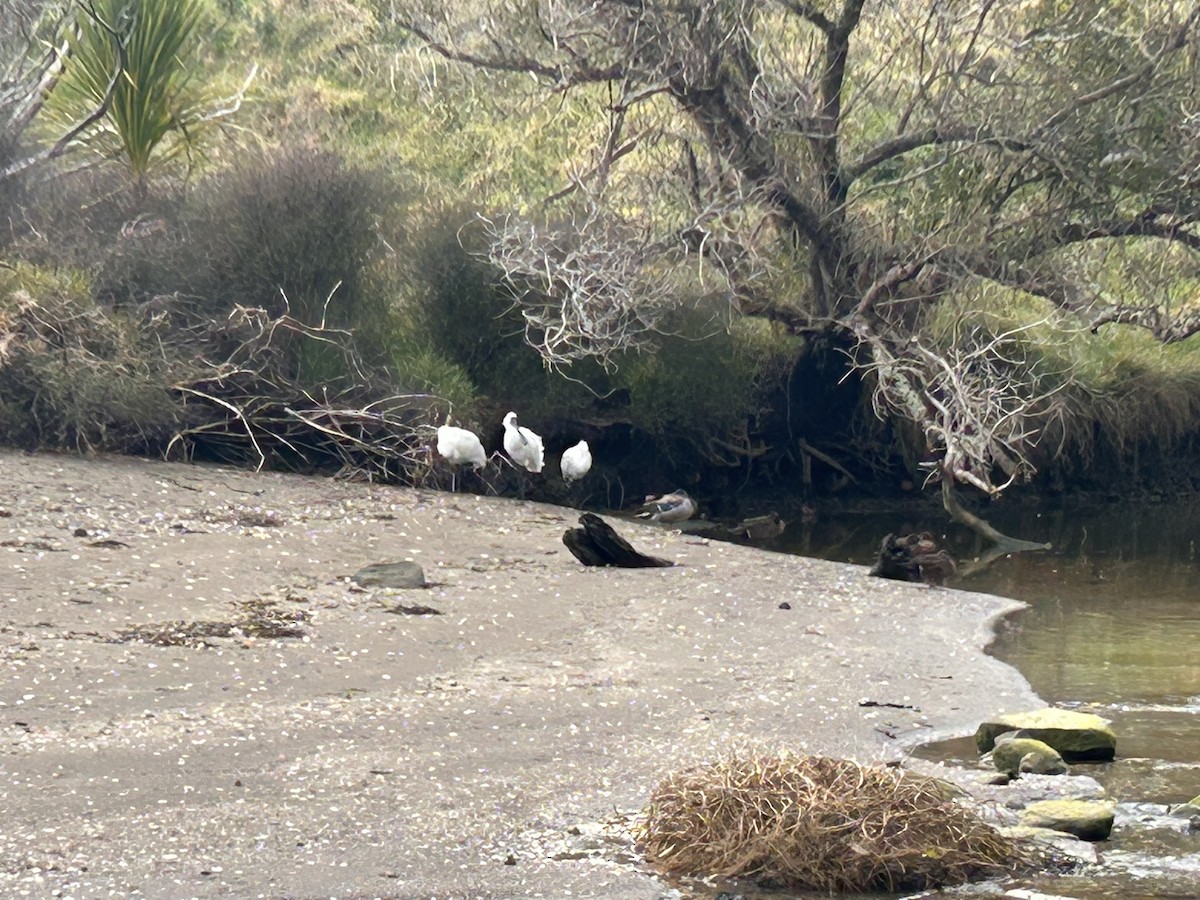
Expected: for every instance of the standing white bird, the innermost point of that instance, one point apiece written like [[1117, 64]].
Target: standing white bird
[[522, 445], [460, 447], [673, 507], [576, 462]]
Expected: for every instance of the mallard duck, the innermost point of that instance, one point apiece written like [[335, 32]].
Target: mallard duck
[[522, 445], [676, 506], [760, 528]]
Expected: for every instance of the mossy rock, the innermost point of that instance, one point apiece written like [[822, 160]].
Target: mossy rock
[[1011, 753], [1040, 763], [1187, 810], [1089, 820], [1057, 842], [1076, 736]]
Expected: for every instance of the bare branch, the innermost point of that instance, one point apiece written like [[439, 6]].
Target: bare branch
[[46, 83], [898, 146], [980, 403]]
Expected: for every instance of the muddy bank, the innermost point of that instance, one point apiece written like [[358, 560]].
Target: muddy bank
[[382, 754]]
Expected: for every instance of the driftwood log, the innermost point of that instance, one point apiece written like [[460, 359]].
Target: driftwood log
[[597, 544], [914, 557]]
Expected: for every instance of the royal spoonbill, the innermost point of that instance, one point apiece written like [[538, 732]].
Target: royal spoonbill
[[460, 447], [522, 445], [576, 462], [673, 507]]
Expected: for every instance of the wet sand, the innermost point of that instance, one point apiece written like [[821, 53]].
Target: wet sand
[[149, 751]]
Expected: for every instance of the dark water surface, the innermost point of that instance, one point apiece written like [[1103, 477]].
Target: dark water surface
[[1113, 628]]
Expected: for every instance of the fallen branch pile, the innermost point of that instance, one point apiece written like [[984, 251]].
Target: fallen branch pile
[[240, 390]]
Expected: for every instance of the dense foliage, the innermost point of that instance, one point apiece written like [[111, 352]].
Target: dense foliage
[[725, 241]]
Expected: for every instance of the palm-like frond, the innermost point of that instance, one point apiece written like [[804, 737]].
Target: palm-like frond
[[147, 42]]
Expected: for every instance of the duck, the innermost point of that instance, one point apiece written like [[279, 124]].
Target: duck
[[676, 506], [760, 528], [576, 462], [523, 446], [460, 447]]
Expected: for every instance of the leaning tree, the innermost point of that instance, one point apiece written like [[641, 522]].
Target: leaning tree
[[854, 169]]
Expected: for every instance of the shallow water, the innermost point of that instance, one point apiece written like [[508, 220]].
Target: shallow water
[[1113, 628]]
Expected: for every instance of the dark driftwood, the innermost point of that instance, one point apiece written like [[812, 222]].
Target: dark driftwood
[[596, 544], [1004, 543], [913, 557]]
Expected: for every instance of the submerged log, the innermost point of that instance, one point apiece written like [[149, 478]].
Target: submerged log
[[597, 544], [914, 557]]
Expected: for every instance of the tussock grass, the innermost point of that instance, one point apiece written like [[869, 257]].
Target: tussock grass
[[817, 823]]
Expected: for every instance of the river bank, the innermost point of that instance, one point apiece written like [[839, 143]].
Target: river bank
[[383, 754]]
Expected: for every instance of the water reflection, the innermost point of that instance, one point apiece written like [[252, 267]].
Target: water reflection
[[1114, 628], [1115, 611]]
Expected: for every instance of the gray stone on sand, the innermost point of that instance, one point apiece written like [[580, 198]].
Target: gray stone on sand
[[391, 575]]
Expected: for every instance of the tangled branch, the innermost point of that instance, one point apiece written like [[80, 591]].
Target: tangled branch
[[256, 408], [982, 403], [591, 288]]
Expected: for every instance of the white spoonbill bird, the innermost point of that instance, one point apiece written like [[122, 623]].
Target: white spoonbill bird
[[576, 462], [460, 447], [522, 445], [673, 507]]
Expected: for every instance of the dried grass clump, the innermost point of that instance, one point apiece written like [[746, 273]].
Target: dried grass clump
[[815, 823]]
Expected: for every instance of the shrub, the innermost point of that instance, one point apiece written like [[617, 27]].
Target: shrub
[[421, 369], [815, 823], [297, 232], [705, 385], [460, 334], [153, 99], [73, 376], [452, 302]]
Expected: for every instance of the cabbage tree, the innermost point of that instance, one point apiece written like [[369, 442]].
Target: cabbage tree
[[155, 45]]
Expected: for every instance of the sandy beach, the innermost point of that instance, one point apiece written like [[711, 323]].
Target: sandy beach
[[153, 746]]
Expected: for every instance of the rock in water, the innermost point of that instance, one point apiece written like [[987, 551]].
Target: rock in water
[[597, 544], [1076, 736], [1088, 820], [1012, 755]]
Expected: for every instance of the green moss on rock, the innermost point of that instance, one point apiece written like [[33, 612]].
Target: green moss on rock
[[1009, 756], [1076, 736], [1090, 820]]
